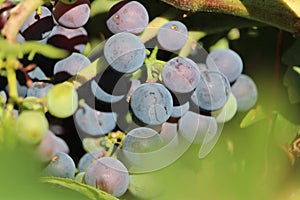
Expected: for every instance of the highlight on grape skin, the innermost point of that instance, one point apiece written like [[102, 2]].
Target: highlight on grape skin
[[62, 100], [131, 17], [172, 36], [125, 52], [108, 174]]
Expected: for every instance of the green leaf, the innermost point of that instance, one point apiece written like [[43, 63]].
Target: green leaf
[[292, 81], [88, 191], [291, 56], [254, 115], [102, 6], [297, 69], [284, 130]]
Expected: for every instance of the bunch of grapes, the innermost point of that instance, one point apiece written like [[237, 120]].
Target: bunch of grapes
[[137, 108]]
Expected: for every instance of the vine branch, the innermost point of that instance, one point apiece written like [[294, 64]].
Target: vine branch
[[283, 14]]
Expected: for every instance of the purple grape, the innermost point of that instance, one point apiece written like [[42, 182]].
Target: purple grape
[[73, 15], [39, 89], [50, 145], [73, 40], [7, 5], [38, 26], [87, 159], [125, 52], [227, 62], [212, 92], [108, 174], [172, 36], [61, 165], [132, 17], [181, 75], [151, 103], [245, 91]]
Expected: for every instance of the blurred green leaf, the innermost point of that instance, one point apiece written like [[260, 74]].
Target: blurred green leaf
[[88, 191], [292, 82], [254, 115], [284, 130], [296, 69], [102, 6]]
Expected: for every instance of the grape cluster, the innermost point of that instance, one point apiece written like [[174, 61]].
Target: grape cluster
[[136, 109]]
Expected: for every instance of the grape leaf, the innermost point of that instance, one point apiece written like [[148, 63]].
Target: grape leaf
[[284, 130], [291, 56], [292, 81], [88, 191], [254, 115]]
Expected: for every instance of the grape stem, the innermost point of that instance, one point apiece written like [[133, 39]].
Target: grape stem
[[154, 66], [283, 14]]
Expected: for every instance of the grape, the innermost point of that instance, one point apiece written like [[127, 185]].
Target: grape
[[73, 40], [180, 110], [22, 89], [227, 62], [142, 140], [93, 122], [102, 95], [5, 10], [61, 165], [181, 75], [50, 145], [73, 14], [31, 126], [69, 66], [144, 186], [194, 127], [131, 17], [151, 103], [87, 159], [125, 52], [172, 36], [108, 174], [226, 113], [245, 91], [212, 92], [62, 100], [39, 89], [38, 26], [37, 73]]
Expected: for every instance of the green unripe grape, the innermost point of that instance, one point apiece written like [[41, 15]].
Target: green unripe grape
[[31, 126], [62, 100], [68, 1]]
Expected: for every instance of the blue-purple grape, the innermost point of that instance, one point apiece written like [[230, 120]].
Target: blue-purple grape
[[227, 62], [124, 52], [108, 174], [181, 75], [212, 92], [39, 89], [151, 103], [61, 165], [195, 127], [93, 122], [131, 17], [87, 159], [245, 91], [172, 36]]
